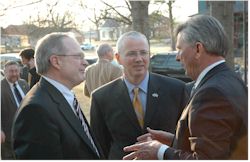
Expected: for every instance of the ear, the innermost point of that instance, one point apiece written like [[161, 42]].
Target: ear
[[199, 49], [118, 58], [55, 61]]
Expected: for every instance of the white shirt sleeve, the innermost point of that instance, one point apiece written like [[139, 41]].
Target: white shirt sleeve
[[161, 151]]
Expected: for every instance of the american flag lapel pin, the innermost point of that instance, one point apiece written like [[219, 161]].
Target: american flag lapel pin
[[155, 95]]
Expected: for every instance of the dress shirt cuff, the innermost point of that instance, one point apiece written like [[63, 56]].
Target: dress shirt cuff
[[161, 151]]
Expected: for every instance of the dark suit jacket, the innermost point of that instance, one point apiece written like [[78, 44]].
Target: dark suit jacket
[[34, 77], [113, 119], [9, 106], [46, 127], [214, 123]]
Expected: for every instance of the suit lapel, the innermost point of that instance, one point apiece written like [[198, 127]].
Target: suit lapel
[[152, 100], [66, 111], [23, 86], [122, 97]]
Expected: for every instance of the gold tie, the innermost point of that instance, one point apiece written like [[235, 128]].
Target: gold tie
[[29, 79], [138, 107]]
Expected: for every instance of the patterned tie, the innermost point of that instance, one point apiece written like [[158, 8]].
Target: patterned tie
[[85, 127], [17, 93], [29, 79], [138, 107]]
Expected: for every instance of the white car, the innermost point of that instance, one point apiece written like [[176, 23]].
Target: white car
[[87, 46]]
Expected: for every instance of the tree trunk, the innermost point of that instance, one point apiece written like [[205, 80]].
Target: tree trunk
[[223, 11], [139, 13], [171, 19]]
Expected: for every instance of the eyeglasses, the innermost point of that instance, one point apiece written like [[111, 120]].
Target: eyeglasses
[[80, 56], [134, 54]]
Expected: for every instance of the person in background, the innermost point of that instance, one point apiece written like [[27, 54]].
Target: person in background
[[121, 110], [13, 90], [103, 71], [27, 56], [49, 123], [214, 123]]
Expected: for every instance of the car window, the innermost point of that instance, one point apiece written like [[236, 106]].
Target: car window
[[158, 59], [172, 63]]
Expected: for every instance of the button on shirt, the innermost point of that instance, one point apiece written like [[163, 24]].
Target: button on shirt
[[143, 90], [13, 92]]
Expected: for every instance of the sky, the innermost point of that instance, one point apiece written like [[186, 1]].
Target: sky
[[181, 10]]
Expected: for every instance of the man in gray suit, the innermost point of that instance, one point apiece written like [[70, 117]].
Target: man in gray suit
[[119, 114], [11, 85], [50, 123]]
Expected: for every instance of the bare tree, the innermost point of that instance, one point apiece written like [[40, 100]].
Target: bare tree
[[171, 21], [113, 12], [139, 12], [14, 5], [97, 17]]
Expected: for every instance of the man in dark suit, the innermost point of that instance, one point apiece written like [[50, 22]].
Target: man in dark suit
[[10, 103], [214, 123], [50, 123], [27, 56], [115, 118]]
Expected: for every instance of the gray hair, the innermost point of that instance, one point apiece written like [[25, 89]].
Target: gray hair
[[129, 35], [47, 46], [104, 49], [207, 30], [9, 63]]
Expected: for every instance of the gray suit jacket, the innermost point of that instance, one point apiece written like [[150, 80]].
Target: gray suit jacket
[[45, 127], [113, 119], [214, 123], [9, 106]]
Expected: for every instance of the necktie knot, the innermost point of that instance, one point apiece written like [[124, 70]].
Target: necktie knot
[[136, 91]]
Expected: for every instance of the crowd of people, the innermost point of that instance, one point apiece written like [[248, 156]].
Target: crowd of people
[[134, 114]]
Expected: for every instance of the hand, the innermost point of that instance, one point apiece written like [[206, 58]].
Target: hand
[[161, 136], [145, 150], [2, 137]]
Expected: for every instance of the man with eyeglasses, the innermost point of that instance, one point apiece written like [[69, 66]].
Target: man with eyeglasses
[[123, 109], [50, 123]]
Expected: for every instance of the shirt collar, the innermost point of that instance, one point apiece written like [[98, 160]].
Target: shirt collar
[[205, 71], [143, 85], [60, 87], [11, 84]]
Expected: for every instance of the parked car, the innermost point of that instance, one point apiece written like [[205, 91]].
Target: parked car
[[9, 57], [166, 64], [87, 46]]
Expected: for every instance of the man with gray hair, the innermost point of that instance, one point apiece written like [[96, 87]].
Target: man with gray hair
[[214, 123], [13, 90], [49, 123], [123, 109], [103, 71]]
